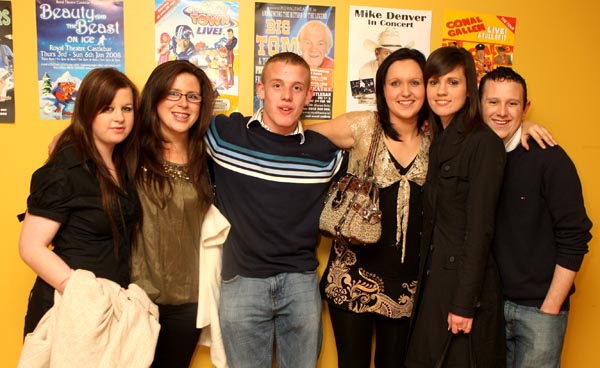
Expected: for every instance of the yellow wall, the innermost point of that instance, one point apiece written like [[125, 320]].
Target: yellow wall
[[556, 50]]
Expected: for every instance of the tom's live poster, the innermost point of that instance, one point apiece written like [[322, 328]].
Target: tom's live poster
[[7, 62], [205, 33]]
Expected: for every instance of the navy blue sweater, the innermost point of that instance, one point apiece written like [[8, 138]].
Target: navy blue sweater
[[271, 188], [540, 222]]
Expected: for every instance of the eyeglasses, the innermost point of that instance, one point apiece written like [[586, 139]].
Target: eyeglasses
[[190, 97]]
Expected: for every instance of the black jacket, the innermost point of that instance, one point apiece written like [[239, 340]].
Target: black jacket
[[457, 271]]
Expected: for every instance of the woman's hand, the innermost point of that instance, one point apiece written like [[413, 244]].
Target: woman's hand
[[458, 324], [52, 144], [541, 135]]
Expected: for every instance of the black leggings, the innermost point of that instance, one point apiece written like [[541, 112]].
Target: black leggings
[[353, 336], [178, 336]]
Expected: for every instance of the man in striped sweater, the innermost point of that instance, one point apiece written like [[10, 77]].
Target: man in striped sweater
[[271, 177]]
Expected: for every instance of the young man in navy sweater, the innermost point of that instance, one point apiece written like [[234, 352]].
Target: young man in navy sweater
[[271, 177], [542, 230]]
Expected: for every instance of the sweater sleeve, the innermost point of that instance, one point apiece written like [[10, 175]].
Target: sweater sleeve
[[561, 188]]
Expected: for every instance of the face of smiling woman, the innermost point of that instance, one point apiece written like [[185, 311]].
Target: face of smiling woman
[[177, 117], [447, 94], [113, 124], [404, 90]]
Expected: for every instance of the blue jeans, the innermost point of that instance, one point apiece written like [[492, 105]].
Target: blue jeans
[[533, 338], [285, 309]]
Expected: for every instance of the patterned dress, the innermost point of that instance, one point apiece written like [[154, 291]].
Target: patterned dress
[[381, 278]]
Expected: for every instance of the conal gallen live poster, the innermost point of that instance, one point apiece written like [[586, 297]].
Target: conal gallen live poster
[[490, 38]]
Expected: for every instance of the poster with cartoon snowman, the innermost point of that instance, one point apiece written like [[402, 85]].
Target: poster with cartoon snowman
[[74, 37]]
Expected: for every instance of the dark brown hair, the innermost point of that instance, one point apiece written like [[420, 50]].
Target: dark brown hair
[[442, 61], [95, 94], [382, 107], [153, 175], [504, 74]]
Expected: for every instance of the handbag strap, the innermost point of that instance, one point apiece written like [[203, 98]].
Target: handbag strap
[[442, 358], [373, 150], [471, 354], [441, 361]]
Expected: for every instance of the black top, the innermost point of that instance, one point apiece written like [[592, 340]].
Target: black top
[[388, 205], [372, 278], [541, 222], [66, 191]]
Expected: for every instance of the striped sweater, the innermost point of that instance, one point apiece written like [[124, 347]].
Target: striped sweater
[[270, 188]]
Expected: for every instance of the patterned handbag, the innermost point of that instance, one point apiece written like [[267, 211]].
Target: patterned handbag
[[351, 213]]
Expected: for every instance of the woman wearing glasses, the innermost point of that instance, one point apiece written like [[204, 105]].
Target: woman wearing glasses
[[174, 190]]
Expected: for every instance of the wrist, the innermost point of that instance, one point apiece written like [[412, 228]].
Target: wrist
[[63, 283], [549, 309]]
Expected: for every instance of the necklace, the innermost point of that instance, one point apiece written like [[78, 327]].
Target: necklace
[[176, 171]]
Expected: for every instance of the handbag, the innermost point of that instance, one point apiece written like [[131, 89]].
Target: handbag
[[351, 212]]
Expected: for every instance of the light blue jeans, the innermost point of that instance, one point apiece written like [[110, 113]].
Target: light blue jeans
[[533, 338], [285, 309]]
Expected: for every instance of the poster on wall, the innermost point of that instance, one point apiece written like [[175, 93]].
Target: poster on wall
[[374, 34], [306, 30], [7, 62], [206, 34], [73, 38], [490, 38]]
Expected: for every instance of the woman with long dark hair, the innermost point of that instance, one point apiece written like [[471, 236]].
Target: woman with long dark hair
[[82, 201], [371, 288], [458, 318], [175, 193]]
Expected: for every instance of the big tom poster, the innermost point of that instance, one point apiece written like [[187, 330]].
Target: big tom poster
[[74, 37], [490, 38], [206, 34], [306, 30]]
